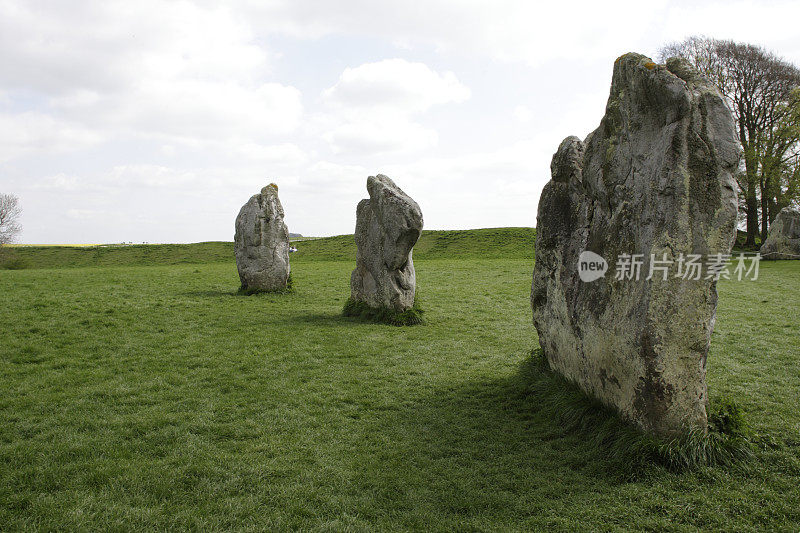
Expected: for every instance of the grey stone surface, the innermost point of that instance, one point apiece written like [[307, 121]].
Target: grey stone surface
[[654, 178], [783, 241], [388, 225], [261, 243]]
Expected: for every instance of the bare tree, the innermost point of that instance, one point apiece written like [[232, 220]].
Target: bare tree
[[10, 213], [760, 89]]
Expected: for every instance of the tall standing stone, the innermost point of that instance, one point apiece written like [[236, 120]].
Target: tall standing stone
[[783, 241], [262, 243], [388, 225], [654, 178]]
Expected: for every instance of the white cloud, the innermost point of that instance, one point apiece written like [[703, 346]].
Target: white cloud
[[380, 136], [179, 72], [187, 109], [56, 48], [771, 24], [83, 214], [35, 132], [59, 182], [516, 163], [118, 179], [374, 102], [151, 176], [497, 187], [534, 33], [507, 30], [323, 199], [396, 85], [210, 110], [336, 174], [285, 154], [523, 113]]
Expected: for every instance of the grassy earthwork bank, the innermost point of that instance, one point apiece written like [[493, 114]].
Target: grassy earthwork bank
[[140, 391], [459, 244]]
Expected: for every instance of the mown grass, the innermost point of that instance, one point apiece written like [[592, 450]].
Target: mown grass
[[157, 398]]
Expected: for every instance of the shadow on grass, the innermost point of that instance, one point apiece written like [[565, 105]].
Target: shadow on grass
[[316, 319], [329, 319], [493, 444], [496, 426], [217, 293], [211, 293], [472, 451]]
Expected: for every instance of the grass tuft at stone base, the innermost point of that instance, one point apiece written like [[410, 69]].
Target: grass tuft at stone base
[[632, 452], [409, 317], [289, 288]]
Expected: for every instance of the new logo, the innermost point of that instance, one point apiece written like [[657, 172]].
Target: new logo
[[591, 266]]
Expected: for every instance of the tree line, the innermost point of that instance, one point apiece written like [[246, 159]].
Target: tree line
[[763, 93]]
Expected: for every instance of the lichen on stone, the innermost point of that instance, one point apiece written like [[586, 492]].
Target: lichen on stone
[[655, 177], [388, 225]]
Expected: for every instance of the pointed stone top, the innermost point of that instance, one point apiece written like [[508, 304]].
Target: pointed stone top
[[272, 188]]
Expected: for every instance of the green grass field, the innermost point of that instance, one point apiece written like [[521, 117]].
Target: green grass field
[[155, 397]]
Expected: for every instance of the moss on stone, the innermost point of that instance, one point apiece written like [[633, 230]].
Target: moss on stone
[[384, 315], [247, 291]]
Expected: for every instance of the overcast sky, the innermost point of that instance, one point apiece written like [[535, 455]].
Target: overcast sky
[[155, 121]]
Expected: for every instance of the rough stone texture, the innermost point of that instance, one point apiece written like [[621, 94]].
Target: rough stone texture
[[783, 241], [262, 242], [388, 225], [654, 178]]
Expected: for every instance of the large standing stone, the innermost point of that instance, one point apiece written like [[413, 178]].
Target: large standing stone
[[783, 241], [654, 178], [388, 225], [262, 242]]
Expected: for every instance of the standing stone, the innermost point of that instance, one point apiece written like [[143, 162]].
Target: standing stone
[[262, 243], [783, 241], [388, 225], [654, 178]]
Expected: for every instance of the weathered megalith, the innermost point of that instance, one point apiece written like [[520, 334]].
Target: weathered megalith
[[388, 225], [654, 178], [783, 241], [261, 243]]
